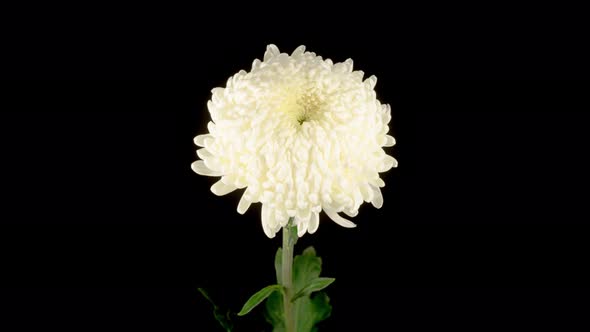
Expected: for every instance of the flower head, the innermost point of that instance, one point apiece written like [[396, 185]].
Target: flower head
[[302, 135]]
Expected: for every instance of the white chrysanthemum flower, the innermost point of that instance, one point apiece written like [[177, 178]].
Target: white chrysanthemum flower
[[302, 135]]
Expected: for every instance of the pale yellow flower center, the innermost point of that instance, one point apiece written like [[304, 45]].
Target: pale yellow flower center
[[309, 106], [302, 105]]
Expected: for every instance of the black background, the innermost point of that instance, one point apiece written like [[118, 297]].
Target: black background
[[105, 227]]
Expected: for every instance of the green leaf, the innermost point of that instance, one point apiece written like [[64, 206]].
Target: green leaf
[[306, 268], [274, 313], [321, 308], [309, 251], [223, 319], [311, 311], [257, 298], [314, 286]]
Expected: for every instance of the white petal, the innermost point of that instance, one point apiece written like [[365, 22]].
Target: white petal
[[213, 164], [380, 183], [388, 163], [299, 51], [217, 92], [389, 141], [302, 220], [358, 200], [371, 81], [244, 204], [358, 75], [200, 139], [204, 153], [301, 229], [339, 220], [386, 113], [304, 214], [212, 127], [268, 231], [255, 64], [314, 223], [351, 214], [378, 198], [267, 218], [282, 217], [339, 67], [271, 51], [200, 168], [367, 192], [284, 59], [219, 188], [348, 65]]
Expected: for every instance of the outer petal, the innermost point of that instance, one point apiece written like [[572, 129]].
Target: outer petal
[[302, 228], [387, 164], [339, 220], [298, 51], [389, 141], [219, 188], [244, 204], [377, 198], [200, 139], [271, 51], [200, 168], [267, 218], [314, 223]]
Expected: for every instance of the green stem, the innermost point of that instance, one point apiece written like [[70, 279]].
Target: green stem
[[287, 275]]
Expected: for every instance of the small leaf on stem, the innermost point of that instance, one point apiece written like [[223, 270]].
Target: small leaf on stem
[[314, 286], [257, 298], [309, 251], [306, 267]]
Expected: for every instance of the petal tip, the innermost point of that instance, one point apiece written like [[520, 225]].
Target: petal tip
[[340, 220], [220, 189]]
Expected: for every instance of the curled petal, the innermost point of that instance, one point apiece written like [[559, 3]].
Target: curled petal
[[351, 214], [200, 139], [244, 204], [389, 141], [367, 192], [219, 188], [388, 163], [271, 51], [268, 221], [298, 51], [302, 221], [204, 153], [200, 168], [371, 81], [301, 228], [377, 198], [256, 64], [339, 220], [314, 223], [358, 75]]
